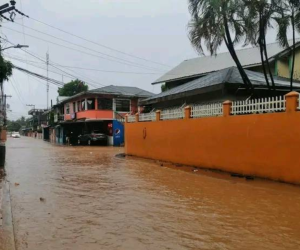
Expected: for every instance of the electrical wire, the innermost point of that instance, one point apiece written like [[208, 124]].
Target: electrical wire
[[98, 44], [78, 45], [70, 75], [91, 69], [69, 48]]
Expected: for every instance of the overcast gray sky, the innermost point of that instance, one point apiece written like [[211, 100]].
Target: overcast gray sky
[[155, 30]]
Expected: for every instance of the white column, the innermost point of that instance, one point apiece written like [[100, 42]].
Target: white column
[[86, 108]]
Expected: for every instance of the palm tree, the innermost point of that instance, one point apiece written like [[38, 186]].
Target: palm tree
[[288, 16], [214, 22], [258, 15]]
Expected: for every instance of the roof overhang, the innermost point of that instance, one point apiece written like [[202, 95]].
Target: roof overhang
[[184, 94], [200, 75]]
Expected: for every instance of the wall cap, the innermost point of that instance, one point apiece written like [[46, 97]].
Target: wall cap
[[157, 111], [227, 102], [187, 107], [292, 94]]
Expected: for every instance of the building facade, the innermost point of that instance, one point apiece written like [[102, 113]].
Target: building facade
[[101, 110]]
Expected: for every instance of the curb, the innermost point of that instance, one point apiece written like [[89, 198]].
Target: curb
[[7, 238]]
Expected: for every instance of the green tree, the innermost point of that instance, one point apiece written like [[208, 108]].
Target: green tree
[[17, 124], [72, 88], [257, 17], [214, 22], [164, 88], [5, 70], [289, 16]]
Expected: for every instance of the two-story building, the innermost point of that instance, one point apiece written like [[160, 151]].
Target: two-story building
[[100, 109]]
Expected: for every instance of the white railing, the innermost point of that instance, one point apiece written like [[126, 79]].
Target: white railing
[[263, 105], [147, 117], [170, 114], [131, 118], [205, 110]]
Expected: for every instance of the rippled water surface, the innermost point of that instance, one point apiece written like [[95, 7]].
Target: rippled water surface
[[86, 198]]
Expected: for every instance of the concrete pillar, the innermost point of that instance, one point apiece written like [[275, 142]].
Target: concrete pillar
[[137, 117], [96, 103], [292, 101], [187, 112], [227, 108], [158, 115]]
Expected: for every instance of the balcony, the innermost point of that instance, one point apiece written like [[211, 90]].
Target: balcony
[[91, 115]]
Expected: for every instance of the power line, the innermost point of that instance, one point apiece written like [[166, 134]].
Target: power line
[[98, 44], [37, 57], [69, 48], [91, 69], [75, 77], [81, 46]]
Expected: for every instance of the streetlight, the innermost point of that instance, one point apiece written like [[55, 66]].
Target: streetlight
[[18, 46]]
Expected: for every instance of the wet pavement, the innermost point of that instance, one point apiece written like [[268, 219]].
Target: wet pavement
[[86, 198]]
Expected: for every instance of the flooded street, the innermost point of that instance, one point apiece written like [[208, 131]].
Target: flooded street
[[86, 198]]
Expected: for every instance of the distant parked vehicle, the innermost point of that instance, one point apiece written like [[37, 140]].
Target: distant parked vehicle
[[15, 135], [93, 138]]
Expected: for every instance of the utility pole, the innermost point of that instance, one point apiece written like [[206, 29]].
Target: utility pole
[[47, 61]]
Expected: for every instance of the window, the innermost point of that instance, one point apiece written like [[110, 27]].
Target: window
[[67, 108], [83, 105], [105, 104], [91, 104], [78, 106], [122, 105]]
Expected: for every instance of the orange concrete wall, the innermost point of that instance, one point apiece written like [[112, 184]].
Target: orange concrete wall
[[95, 114], [263, 145]]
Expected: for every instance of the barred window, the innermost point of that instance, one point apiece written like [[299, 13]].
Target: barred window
[[91, 104], [122, 105], [83, 105], [105, 104], [67, 108]]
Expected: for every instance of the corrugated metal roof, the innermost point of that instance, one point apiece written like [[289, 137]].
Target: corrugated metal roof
[[115, 90], [229, 75], [122, 90], [206, 64]]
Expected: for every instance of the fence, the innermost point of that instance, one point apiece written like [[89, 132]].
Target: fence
[[214, 109], [232, 143], [264, 105], [147, 117], [131, 118], [171, 114], [255, 106]]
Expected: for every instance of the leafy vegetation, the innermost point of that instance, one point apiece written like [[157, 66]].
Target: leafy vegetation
[[17, 125], [72, 88], [214, 22]]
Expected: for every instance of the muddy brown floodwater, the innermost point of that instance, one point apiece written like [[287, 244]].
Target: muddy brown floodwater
[[85, 198]]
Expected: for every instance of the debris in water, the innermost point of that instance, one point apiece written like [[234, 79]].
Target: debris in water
[[237, 175], [121, 155], [195, 170], [249, 178], [17, 184], [42, 199], [161, 164]]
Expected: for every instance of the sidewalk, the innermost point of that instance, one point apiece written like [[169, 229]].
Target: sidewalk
[[6, 226]]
